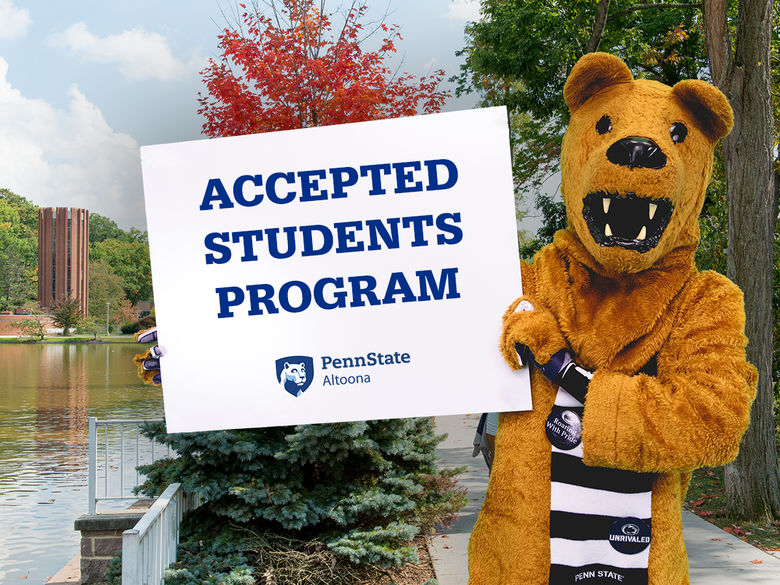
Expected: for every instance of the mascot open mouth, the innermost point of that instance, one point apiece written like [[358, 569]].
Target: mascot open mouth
[[628, 221]]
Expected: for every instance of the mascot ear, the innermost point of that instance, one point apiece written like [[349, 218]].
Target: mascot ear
[[708, 105], [592, 73]]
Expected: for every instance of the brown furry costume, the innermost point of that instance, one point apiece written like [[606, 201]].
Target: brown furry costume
[[617, 302]]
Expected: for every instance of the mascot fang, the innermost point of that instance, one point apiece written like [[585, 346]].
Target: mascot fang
[[638, 360]]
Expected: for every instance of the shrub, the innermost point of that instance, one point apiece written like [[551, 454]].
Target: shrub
[[32, 328], [145, 322], [364, 489]]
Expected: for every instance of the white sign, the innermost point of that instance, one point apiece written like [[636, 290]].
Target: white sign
[[338, 273]]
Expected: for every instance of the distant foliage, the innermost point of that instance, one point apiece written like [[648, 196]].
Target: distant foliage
[[128, 259], [365, 489], [105, 286], [146, 322], [102, 228], [553, 219], [18, 251], [119, 265]]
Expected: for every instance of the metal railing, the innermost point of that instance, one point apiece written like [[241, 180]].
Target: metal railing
[[150, 547], [114, 446]]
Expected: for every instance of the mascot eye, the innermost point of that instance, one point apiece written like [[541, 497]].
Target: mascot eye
[[678, 132], [604, 125]]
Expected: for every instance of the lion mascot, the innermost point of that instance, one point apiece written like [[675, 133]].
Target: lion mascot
[[638, 359]]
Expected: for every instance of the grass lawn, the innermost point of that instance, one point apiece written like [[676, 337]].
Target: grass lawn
[[707, 498]]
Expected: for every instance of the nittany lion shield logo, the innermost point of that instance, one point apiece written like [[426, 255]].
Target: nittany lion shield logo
[[295, 373]]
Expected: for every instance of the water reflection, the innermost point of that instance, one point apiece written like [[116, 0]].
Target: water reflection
[[46, 394]]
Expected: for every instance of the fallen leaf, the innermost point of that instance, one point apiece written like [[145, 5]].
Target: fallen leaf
[[698, 503], [756, 562], [718, 539]]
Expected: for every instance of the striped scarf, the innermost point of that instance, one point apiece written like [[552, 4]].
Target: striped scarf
[[599, 517]]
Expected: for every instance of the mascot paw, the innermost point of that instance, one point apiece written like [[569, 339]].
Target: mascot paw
[[529, 334], [149, 362]]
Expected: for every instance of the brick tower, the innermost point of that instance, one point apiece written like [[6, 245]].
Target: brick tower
[[63, 256]]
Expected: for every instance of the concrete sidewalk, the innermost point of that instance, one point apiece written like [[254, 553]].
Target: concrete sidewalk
[[715, 557]]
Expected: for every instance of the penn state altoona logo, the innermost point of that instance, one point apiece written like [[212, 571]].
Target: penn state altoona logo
[[295, 373]]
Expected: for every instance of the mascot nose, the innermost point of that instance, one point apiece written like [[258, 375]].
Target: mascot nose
[[635, 152]]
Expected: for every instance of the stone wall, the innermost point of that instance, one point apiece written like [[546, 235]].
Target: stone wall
[[101, 540]]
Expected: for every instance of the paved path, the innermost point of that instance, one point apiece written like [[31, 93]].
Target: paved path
[[715, 557]]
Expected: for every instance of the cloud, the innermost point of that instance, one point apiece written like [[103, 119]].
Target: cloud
[[465, 10], [138, 54], [68, 158], [14, 21]]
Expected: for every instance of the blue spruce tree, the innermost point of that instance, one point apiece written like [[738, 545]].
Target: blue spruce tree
[[364, 489]]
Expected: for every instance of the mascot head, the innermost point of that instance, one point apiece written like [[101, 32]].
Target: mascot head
[[636, 160]]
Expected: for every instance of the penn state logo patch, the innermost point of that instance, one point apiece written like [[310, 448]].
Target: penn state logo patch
[[295, 373]]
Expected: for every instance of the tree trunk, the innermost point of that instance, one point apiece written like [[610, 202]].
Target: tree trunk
[[753, 481], [599, 22]]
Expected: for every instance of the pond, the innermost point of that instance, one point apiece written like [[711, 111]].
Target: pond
[[46, 394]]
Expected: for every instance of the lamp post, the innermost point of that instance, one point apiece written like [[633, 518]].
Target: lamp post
[[107, 305]]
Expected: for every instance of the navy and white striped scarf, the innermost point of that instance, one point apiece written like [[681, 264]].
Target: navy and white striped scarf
[[599, 517]]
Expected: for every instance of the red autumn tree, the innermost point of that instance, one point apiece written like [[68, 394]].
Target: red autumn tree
[[293, 70]]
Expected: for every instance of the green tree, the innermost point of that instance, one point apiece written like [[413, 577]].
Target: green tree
[[67, 314], [18, 250], [102, 228], [521, 52], [105, 286], [363, 488], [130, 261]]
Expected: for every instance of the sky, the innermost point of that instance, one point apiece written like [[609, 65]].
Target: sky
[[85, 83]]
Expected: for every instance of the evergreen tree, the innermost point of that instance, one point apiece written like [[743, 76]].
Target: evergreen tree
[[365, 489]]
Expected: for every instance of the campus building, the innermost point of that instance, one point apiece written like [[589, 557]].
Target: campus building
[[63, 256]]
